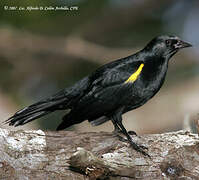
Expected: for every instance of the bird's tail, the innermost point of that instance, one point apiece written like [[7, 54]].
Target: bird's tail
[[39, 109], [64, 99]]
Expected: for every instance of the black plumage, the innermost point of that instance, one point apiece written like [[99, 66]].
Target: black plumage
[[110, 91]]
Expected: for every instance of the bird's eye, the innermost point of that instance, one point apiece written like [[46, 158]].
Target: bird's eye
[[168, 42]]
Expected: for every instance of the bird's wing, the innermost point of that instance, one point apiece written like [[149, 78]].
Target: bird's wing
[[105, 90], [128, 73]]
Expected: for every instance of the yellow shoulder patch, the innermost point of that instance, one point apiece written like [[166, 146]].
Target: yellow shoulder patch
[[135, 75]]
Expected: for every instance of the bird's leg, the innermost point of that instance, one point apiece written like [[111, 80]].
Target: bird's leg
[[118, 120], [117, 130]]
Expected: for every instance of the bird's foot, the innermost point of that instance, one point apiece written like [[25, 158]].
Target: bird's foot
[[132, 133], [143, 147], [140, 148], [126, 140], [119, 131]]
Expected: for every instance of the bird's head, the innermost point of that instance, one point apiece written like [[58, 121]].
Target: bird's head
[[165, 46]]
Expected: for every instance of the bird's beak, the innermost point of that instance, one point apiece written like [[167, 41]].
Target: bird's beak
[[181, 44]]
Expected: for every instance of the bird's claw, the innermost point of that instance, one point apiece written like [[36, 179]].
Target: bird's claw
[[119, 131], [132, 133], [141, 149]]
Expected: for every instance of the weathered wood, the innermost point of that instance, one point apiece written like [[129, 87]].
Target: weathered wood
[[75, 155]]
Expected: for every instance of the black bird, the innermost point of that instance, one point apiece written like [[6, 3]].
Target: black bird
[[110, 91]]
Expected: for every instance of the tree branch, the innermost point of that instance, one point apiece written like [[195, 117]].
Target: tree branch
[[76, 155]]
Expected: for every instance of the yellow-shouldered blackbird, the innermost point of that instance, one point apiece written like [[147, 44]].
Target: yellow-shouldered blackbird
[[110, 91]]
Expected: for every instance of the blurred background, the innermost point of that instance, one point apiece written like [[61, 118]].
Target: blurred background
[[43, 51]]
